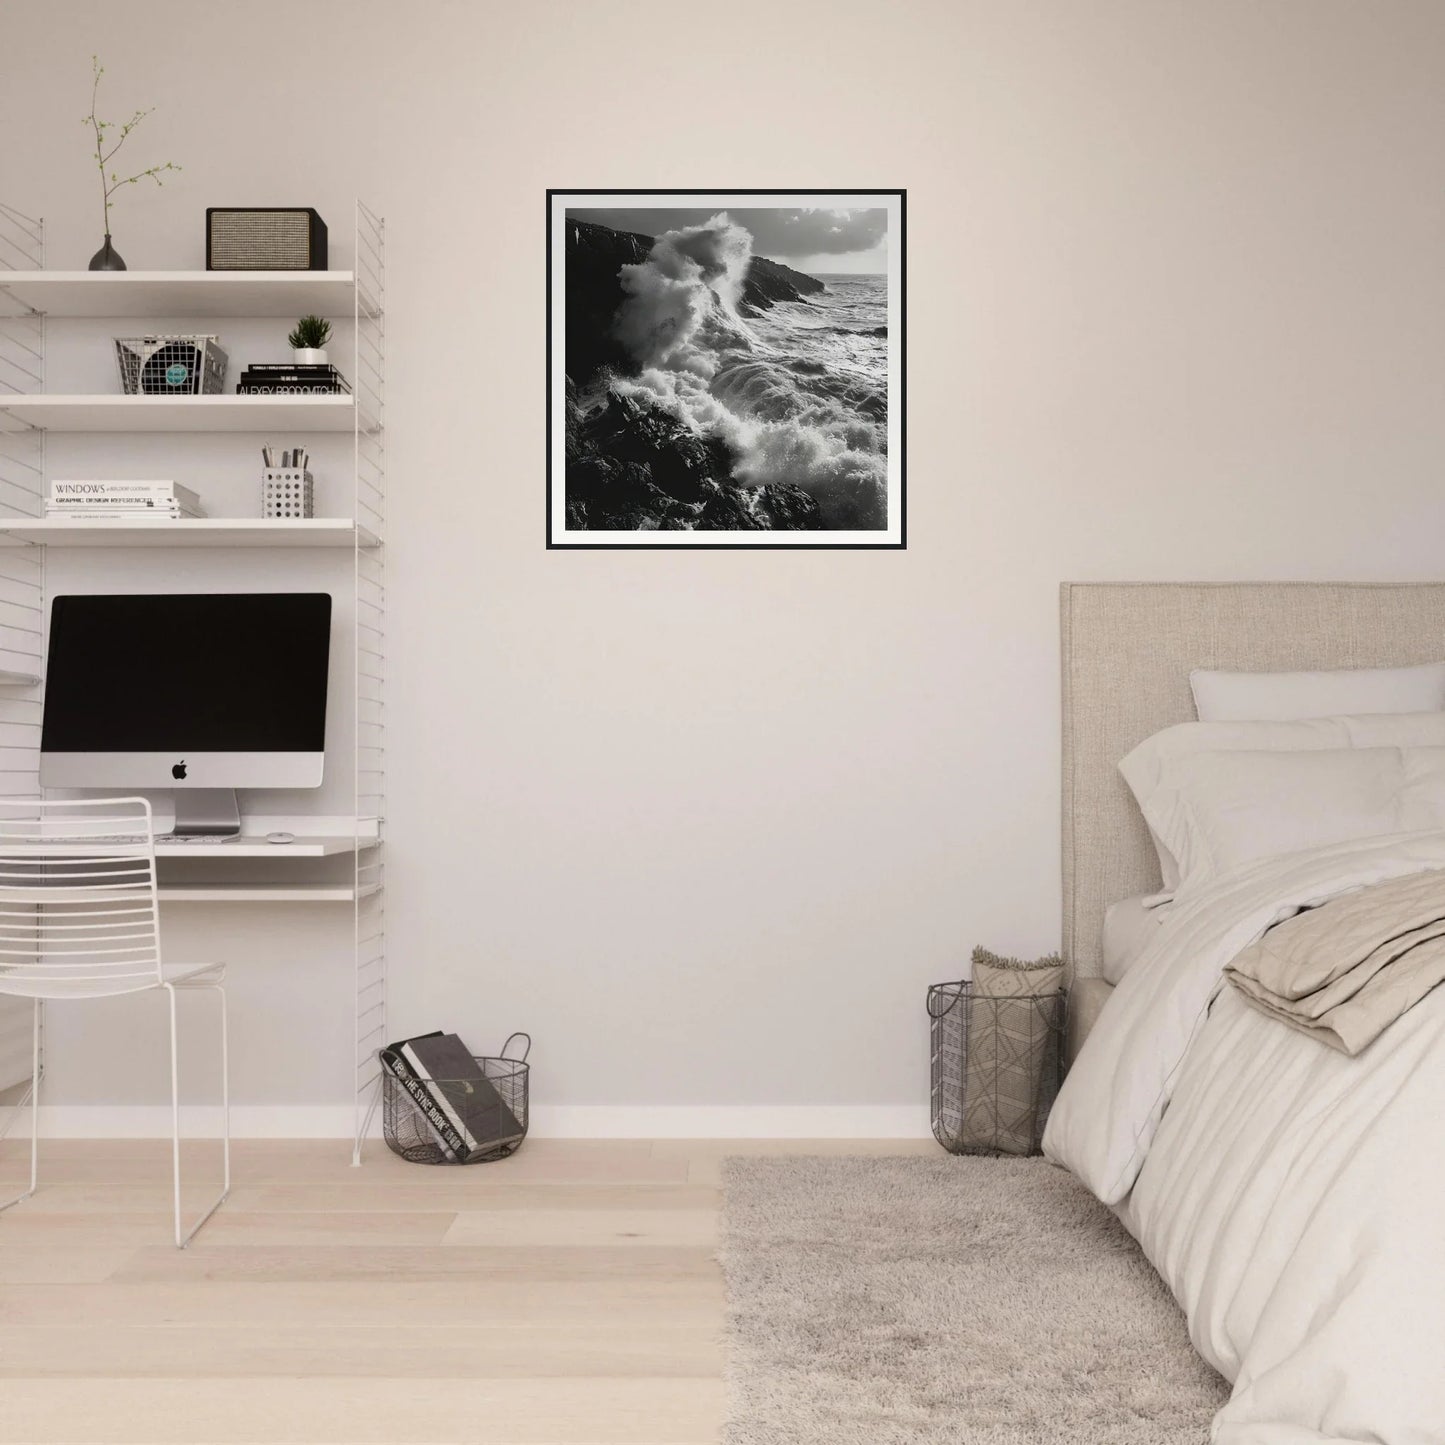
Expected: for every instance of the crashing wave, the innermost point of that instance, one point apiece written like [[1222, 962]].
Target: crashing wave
[[817, 427]]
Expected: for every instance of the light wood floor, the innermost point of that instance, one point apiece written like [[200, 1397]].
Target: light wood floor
[[565, 1296]]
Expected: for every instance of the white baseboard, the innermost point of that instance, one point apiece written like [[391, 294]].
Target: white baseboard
[[549, 1121], [731, 1121], [153, 1121]]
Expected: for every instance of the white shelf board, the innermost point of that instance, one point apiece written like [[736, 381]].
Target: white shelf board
[[286, 294], [245, 846], [185, 532], [18, 679], [109, 413], [259, 892], [315, 846]]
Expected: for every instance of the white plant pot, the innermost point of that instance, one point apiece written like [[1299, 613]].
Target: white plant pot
[[309, 356]]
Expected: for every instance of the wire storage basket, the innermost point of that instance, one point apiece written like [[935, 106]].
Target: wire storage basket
[[179, 365], [419, 1122], [996, 1068]]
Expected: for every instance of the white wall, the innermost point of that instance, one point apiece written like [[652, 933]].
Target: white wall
[[707, 823]]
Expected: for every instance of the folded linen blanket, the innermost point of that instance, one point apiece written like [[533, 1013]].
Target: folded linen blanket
[[1344, 972], [1008, 1051]]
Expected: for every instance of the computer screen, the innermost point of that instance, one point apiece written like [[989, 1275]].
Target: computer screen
[[220, 690]]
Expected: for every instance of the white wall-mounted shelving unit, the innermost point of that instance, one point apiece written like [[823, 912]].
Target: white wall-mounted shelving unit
[[30, 297]]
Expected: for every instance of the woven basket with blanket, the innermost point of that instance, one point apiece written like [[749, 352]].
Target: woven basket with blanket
[[996, 1054]]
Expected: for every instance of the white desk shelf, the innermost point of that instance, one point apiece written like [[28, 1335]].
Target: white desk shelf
[[316, 846], [280, 294], [36, 420], [262, 892], [328, 845], [187, 532], [113, 413]]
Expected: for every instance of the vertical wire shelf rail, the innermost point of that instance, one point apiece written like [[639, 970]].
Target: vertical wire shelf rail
[[22, 583], [368, 382]]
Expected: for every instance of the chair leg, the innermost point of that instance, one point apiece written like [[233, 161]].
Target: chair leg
[[34, 1110], [184, 1236]]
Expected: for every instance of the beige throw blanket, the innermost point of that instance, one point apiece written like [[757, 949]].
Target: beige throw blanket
[[1346, 971], [1008, 1045]]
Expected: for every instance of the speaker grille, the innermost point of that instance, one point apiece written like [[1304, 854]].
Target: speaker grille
[[263, 241]]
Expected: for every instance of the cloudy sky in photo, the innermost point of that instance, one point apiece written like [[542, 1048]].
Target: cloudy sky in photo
[[818, 242]]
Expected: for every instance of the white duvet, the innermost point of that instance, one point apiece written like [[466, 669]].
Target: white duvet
[[1293, 1198]]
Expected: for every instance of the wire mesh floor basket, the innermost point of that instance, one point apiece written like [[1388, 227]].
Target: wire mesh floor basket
[[996, 1068], [408, 1131]]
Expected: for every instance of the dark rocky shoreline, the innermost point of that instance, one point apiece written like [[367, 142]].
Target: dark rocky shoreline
[[631, 466]]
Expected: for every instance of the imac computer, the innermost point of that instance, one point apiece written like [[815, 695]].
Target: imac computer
[[198, 693]]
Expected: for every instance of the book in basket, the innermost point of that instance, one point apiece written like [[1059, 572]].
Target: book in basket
[[463, 1107], [447, 1137]]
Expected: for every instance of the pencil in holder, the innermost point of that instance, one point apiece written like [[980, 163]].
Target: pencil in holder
[[287, 492]]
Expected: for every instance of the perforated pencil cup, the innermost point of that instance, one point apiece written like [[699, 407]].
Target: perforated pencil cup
[[287, 492]]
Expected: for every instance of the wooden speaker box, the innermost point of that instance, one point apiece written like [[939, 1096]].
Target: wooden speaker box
[[264, 238]]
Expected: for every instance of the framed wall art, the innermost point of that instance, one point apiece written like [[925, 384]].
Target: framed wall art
[[725, 369]]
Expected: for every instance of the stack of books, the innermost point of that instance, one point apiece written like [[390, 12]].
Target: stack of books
[[287, 378], [461, 1106], [89, 500]]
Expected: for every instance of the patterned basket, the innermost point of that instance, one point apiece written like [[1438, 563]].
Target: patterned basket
[[996, 1068]]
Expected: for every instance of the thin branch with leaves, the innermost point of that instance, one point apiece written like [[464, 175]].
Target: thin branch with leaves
[[110, 182]]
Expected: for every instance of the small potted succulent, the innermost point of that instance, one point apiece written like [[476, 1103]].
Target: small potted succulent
[[308, 340]]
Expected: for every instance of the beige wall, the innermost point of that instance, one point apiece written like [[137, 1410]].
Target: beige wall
[[707, 823]]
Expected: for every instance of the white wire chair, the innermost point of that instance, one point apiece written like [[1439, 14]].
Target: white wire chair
[[79, 919]]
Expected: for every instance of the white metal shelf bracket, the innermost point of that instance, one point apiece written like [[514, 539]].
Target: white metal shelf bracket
[[369, 752]]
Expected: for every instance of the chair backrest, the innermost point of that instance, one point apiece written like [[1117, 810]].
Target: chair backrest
[[78, 904]]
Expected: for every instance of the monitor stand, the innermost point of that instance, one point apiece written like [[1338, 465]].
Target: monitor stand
[[206, 813]]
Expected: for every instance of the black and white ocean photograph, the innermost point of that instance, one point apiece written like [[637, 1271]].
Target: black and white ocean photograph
[[725, 369]]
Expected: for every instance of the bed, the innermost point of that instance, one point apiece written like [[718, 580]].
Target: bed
[[1289, 1195]]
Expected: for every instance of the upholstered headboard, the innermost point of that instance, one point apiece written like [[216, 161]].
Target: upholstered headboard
[[1128, 648]]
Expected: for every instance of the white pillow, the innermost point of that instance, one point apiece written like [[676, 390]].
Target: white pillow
[[1256, 696], [1216, 811], [1143, 769]]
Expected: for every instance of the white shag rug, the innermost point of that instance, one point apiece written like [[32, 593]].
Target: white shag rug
[[972, 1301]]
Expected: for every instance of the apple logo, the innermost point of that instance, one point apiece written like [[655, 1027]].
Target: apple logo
[[179, 771]]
